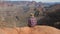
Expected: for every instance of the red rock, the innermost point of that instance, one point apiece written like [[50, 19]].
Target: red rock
[[28, 30]]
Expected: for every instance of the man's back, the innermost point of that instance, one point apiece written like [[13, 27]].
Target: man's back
[[32, 21]]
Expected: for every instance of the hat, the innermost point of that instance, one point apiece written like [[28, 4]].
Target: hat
[[31, 14]]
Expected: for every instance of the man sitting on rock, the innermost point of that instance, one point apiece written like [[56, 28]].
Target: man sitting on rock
[[32, 20]]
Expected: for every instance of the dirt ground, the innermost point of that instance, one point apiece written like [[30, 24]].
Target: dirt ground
[[28, 30]]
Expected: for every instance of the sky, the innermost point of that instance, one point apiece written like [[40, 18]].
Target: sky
[[35, 0]]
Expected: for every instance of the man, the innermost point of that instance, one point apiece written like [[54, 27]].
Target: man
[[32, 20]]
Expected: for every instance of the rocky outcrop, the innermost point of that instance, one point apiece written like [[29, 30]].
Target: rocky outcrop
[[28, 30], [52, 17]]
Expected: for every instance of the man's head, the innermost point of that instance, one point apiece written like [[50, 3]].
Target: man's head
[[31, 14]]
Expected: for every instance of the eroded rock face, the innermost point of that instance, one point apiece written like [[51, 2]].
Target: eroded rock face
[[28, 30]]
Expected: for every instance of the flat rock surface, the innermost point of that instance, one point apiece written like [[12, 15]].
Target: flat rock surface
[[28, 30]]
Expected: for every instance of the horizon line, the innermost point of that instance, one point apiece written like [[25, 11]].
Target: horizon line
[[34, 1]]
